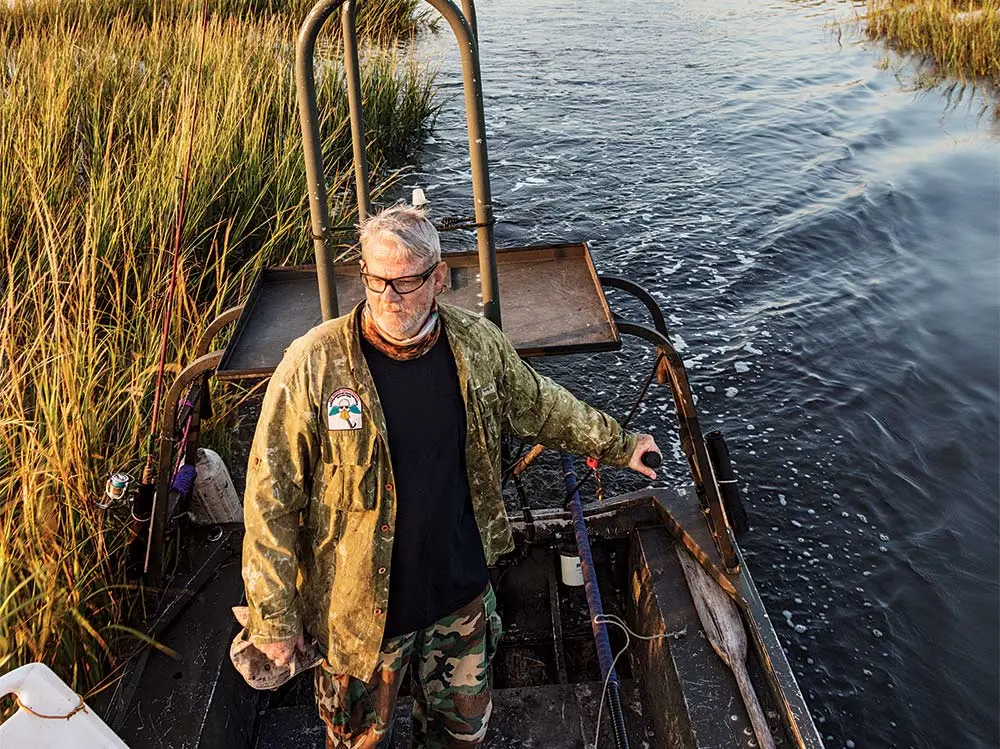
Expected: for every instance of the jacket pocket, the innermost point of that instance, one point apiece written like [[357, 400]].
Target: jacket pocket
[[349, 474]]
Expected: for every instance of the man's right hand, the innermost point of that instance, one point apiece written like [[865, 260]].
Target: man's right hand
[[283, 652]]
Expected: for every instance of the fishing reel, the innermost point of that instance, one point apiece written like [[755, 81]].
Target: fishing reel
[[121, 489], [117, 488]]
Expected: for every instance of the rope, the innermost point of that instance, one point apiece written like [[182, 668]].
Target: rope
[[184, 480], [612, 619], [67, 716]]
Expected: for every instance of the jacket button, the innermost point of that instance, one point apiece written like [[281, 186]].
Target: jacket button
[[381, 570], [388, 487], [384, 528], [378, 611]]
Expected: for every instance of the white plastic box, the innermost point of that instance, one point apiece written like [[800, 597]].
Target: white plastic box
[[38, 688]]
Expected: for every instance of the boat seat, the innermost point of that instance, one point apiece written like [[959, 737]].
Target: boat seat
[[551, 299]]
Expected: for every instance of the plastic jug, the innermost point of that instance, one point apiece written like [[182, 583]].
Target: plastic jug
[[214, 499]]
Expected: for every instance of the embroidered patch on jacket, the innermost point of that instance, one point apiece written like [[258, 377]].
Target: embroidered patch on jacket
[[343, 410]]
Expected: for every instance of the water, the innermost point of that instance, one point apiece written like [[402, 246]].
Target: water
[[827, 246]]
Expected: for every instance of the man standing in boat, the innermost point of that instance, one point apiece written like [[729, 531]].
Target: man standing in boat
[[373, 503]]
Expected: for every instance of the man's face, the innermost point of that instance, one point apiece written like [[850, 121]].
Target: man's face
[[400, 315]]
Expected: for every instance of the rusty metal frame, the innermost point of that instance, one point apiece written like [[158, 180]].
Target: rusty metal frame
[[692, 441], [231, 315], [462, 22]]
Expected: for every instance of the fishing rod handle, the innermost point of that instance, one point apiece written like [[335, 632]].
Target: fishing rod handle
[[651, 459]]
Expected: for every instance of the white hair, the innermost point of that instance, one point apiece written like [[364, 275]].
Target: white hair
[[405, 226]]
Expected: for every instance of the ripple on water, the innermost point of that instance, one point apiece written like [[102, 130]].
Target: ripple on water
[[825, 248]]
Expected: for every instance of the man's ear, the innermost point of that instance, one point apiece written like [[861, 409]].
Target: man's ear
[[442, 276]]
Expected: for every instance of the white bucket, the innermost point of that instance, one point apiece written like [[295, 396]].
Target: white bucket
[[572, 572], [214, 499], [39, 689]]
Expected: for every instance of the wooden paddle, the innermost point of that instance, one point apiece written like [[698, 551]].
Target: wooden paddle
[[724, 628]]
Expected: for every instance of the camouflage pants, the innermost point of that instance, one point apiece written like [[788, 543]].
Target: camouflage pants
[[451, 707]]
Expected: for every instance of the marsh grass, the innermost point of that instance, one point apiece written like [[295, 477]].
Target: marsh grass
[[962, 37], [384, 21], [94, 127]]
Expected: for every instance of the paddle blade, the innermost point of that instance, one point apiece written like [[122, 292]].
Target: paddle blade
[[720, 618]]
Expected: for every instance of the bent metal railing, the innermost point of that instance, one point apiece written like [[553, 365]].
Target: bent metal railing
[[462, 23]]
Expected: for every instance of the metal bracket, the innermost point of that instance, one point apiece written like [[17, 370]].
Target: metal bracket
[[231, 315]]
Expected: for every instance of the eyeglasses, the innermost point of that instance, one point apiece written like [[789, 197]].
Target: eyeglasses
[[401, 285]]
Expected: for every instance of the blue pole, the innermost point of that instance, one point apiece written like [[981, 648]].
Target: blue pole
[[595, 605]]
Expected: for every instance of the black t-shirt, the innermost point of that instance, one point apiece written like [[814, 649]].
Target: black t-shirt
[[438, 563]]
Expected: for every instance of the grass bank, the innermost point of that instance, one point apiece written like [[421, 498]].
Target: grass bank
[[962, 37], [95, 121]]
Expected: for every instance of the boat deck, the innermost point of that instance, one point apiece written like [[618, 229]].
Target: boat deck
[[678, 693], [553, 716]]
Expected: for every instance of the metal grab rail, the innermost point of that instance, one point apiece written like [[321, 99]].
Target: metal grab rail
[[692, 441], [462, 24]]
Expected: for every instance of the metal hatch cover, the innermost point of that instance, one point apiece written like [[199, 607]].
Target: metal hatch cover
[[553, 303]]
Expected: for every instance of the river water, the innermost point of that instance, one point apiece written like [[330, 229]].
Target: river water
[[826, 243]]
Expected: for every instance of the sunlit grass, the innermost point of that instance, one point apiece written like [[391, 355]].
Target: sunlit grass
[[962, 37], [379, 20], [95, 120]]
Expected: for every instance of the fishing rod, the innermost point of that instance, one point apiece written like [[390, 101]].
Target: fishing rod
[[145, 499]]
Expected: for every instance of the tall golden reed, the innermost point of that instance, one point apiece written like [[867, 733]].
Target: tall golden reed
[[94, 125], [961, 36]]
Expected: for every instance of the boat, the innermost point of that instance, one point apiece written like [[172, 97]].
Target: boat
[[630, 621]]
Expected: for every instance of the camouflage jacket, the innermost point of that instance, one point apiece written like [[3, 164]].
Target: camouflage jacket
[[320, 506]]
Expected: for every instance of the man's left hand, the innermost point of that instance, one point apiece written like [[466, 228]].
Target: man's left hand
[[644, 444]]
